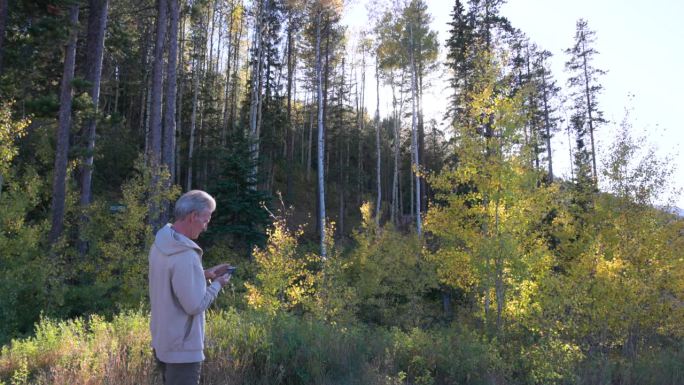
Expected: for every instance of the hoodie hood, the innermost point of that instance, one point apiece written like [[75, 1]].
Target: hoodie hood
[[171, 242]]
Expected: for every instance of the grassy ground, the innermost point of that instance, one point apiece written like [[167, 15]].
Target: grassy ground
[[254, 348]]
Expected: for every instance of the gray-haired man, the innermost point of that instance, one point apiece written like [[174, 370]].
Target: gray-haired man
[[179, 293]]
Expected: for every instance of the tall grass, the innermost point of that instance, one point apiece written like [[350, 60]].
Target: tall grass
[[251, 347], [248, 347], [82, 352]]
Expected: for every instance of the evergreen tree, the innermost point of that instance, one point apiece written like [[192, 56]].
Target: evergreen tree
[[459, 46], [584, 182], [584, 84], [59, 187]]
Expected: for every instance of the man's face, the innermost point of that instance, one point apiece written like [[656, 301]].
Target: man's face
[[200, 221]]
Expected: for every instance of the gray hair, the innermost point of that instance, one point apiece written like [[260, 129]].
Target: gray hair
[[193, 201]]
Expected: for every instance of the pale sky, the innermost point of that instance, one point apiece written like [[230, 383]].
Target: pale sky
[[639, 44]]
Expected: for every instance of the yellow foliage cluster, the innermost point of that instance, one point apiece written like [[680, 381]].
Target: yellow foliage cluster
[[284, 280], [10, 131]]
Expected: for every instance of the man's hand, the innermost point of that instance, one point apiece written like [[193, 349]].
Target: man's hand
[[223, 279], [216, 271]]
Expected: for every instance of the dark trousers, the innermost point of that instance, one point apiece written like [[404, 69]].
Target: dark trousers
[[180, 374]]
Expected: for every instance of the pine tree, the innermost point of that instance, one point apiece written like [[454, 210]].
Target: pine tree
[[459, 61], [584, 183], [584, 84], [62, 150]]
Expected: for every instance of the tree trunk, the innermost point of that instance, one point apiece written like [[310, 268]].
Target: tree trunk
[[144, 94], [321, 138], [309, 149], [97, 23], [234, 87], [169, 127], [361, 117], [211, 24], [572, 169], [155, 149], [400, 195], [289, 141], [168, 153], [547, 123], [117, 86], [196, 73], [218, 9], [416, 159], [62, 149], [590, 119], [260, 110], [326, 79], [255, 96], [179, 109], [396, 144], [4, 6], [302, 140], [155, 135], [146, 124], [534, 122], [378, 200], [358, 136], [421, 133], [341, 138], [412, 199], [226, 94], [499, 284]]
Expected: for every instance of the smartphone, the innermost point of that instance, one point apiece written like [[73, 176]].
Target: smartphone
[[231, 270]]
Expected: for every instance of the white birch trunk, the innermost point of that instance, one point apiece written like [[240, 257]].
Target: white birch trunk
[[397, 142], [193, 122], [255, 102], [321, 139], [378, 200], [414, 139], [226, 94]]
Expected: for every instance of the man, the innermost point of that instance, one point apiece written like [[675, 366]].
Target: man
[[179, 294]]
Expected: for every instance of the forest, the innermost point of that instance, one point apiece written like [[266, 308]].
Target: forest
[[377, 249]]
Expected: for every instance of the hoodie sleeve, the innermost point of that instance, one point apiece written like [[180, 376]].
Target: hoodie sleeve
[[189, 286]]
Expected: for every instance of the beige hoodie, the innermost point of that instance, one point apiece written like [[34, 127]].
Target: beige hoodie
[[179, 295]]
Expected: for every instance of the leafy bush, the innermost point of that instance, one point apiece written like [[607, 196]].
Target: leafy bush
[[251, 347], [390, 276], [79, 351]]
